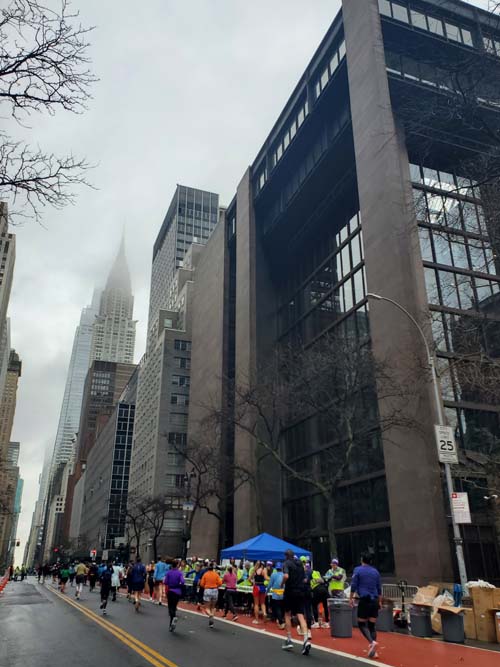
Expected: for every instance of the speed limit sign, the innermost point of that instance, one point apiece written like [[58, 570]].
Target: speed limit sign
[[446, 446]]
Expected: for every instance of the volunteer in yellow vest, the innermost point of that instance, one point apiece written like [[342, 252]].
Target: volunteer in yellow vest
[[319, 596], [335, 577]]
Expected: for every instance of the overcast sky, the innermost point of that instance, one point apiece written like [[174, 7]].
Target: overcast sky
[[187, 92]]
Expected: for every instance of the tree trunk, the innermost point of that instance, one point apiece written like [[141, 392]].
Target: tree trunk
[[331, 525], [155, 548]]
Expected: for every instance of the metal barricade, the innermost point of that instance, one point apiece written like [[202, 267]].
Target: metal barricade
[[395, 593]]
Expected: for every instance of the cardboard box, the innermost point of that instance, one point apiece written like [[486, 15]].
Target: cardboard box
[[482, 599], [470, 624], [425, 595]]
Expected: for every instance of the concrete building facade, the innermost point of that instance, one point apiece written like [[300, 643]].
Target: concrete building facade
[[157, 468]]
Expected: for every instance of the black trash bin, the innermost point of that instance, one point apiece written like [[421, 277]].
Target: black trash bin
[[420, 619], [340, 618], [385, 620], [453, 626]]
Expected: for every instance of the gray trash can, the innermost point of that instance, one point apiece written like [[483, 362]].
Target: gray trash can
[[385, 620], [420, 620], [453, 627], [340, 618]]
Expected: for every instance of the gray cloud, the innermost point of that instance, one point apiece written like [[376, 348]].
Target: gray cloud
[[188, 91]]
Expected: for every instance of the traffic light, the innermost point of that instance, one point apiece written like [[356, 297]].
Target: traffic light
[[56, 550]]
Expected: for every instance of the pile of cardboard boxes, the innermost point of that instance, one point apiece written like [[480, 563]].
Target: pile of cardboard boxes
[[480, 610], [481, 620]]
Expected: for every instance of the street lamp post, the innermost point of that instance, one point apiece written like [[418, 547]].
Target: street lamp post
[[439, 408], [187, 533]]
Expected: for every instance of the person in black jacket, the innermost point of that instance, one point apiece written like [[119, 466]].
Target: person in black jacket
[[106, 578]]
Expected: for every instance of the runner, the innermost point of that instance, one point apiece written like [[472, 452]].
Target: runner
[[159, 575], [275, 587], [229, 581], [293, 600], [366, 583], [174, 581], [150, 571], [63, 578], [128, 579], [259, 591], [138, 579], [71, 574], [92, 572], [210, 583], [81, 572], [106, 581], [116, 580]]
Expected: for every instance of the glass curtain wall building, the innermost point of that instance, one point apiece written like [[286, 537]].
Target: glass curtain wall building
[[366, 157]]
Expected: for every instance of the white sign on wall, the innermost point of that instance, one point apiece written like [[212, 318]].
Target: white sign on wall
[[460, 505], [446, 445]]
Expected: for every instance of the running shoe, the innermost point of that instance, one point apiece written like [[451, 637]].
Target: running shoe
[[102, 605], [104, 612], [211, 622], [372, 650], [235, 617], [315, 626], [287, 645], [173, 623], [306, 647]]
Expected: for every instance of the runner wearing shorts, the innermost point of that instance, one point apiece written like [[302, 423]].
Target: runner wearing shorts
[[294, 578], [367, 585], [81, 571], [210, 583]]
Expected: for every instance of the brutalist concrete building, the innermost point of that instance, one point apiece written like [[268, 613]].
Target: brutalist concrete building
[[371, 180]]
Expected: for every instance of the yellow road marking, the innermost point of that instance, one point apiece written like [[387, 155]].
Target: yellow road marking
[[153, 658]]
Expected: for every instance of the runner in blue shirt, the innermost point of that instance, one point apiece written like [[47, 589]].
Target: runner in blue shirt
[[366, 583]]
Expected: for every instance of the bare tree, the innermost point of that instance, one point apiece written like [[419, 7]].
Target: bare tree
[[211, 477], [44, 67], [336, 384]]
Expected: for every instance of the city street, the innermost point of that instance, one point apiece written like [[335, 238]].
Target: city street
[[39, 626]]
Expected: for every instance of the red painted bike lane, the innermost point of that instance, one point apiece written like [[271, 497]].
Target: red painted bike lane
[[394, 649]]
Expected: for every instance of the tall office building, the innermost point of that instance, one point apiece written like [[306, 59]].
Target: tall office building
[[104, 502], [8, 402], [80, 360], [163, 389], [113, 337], [369, 182], [7, 261]]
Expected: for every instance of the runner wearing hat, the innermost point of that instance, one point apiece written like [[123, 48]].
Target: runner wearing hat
[[335, 578]]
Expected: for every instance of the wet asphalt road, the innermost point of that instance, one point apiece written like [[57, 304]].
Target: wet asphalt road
[[39, 629]]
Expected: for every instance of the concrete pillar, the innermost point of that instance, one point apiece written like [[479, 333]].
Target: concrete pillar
[[394, 269]]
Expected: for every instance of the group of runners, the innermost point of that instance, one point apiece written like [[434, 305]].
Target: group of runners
[[290, 593]]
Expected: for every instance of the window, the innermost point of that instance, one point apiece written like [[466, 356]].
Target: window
[[399, 12], [385, 7], [418, 20], [435, 25], [183, 345], [179, 399], [175, 438], [180, 380]]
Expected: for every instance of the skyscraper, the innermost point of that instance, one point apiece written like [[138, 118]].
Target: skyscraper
[[372, 180], [8, 402], [73, 392], [163, 389], [113, 337], [7, 261]]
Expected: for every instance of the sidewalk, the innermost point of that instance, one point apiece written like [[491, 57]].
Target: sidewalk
[[396, 650]]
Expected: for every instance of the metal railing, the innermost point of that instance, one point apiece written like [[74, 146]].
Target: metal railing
[[394, 592]]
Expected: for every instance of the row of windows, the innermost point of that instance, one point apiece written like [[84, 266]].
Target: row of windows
[[181, 380], [457, 290], [179, 399], [430, 75], [289, 134], [175, 438], [449, 211], [457, 250], [182, 362], [492, 45], [423, 21], [465, 333], [174, 481], [329, 70], [183, 345]]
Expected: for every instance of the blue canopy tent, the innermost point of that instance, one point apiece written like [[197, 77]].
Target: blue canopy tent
[[263, 547]]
